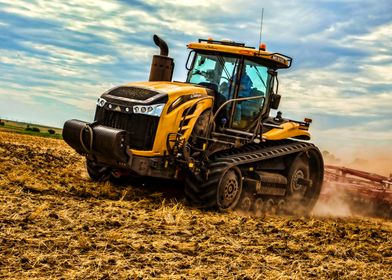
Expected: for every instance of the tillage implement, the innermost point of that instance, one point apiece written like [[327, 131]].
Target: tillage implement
[[214, 131]]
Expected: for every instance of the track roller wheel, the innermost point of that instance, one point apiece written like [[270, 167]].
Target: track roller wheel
[[281, 206], [246, 203], [270, 206], [259, 206]]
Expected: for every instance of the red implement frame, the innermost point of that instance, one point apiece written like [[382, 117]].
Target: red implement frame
[[362, 189]]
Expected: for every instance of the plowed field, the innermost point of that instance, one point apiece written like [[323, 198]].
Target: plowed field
[[57, 224]]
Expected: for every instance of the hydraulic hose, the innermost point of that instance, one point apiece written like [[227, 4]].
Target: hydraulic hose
[[88, 151]]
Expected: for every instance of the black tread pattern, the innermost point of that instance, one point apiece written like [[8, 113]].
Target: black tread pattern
[[256, 152], [201, 189], [201, 192]]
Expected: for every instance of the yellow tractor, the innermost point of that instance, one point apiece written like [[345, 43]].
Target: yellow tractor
[[214, 131]]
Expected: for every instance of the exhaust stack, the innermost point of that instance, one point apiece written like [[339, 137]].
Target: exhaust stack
[[162, 66]]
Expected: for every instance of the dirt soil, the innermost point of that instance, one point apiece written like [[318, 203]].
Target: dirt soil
[[57, 224]]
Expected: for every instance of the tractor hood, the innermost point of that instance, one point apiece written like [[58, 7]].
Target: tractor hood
[[150, 93], [171, 88]]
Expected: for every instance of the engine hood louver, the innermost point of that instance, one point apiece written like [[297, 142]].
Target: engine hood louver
[[136, 95]]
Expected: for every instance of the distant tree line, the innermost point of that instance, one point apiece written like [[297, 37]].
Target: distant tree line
[[33, 129], [36, 129]]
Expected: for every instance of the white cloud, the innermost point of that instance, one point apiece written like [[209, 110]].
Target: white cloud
[[382, 33], [70, 56], [329, 93], [79, 95], [24, 60], [335, 91], [76, 75], [183, 3], [43, 9], [360, 140]]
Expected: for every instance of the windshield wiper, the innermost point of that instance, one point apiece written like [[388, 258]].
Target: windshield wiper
[[259, 75], [222, 63]]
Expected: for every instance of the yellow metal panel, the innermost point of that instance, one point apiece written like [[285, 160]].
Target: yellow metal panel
[[287, 130], [174, 89], [278, 59], [170, 122]]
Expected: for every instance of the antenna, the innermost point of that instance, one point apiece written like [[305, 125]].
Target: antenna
[[261, 26]]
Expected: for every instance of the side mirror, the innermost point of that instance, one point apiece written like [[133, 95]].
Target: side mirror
[[274, 102]]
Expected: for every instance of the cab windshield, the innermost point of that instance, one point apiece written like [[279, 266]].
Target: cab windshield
[[214, 71], [233, 77]]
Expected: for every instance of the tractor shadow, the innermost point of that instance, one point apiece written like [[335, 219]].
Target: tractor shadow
[[144, 187], [151, 190]]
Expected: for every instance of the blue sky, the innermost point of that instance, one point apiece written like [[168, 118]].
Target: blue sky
[[57, 57]]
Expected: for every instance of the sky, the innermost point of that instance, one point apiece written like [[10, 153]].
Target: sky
[[57, 57]]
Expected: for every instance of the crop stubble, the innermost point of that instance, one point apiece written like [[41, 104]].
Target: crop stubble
[[56, 223]]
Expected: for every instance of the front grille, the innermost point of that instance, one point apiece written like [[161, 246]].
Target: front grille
[[133, 93], [141, 128]]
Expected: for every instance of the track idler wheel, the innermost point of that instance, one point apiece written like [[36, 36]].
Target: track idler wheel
[[305, 178], [229, 189], [222, 189]]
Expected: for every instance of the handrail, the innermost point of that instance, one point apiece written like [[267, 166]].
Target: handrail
[[234, 100], [231, 101]]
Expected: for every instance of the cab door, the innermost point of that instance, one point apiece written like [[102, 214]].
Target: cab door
[[253, 84]]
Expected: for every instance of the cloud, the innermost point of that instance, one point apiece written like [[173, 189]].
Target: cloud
[[335, 93], [339, 90], [69, 56], [63, 54], [23, 59]]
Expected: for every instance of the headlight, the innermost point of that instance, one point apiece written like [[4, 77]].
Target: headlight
[[151, 110], [101, 102]]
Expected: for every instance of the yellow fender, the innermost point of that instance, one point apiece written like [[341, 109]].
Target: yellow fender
[[288, 130]]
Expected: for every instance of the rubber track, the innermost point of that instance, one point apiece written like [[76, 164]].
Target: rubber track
[[258, 152], [201, 190]]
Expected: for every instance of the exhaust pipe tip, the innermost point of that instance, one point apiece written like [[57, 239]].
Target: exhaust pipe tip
[[162, 45]]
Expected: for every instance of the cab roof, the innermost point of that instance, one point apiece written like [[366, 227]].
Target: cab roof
[[279, 60]]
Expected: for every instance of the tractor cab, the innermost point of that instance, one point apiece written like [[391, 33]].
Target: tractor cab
[[244, 80]]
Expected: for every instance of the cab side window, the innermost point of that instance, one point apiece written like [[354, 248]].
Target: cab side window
[[204, 68], [226, 83], [253, 83]]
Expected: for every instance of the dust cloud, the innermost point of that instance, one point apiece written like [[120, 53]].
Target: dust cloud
[[373, 161], [336, 201], [333, 202]]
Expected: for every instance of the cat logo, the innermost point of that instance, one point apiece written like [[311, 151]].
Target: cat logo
[[118, 109]]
